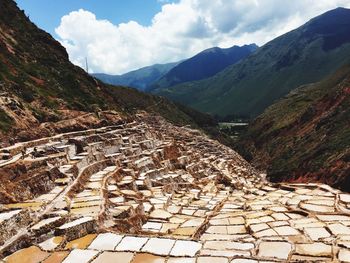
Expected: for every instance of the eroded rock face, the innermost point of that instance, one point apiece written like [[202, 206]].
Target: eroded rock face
[[148, 191], [22, 181]]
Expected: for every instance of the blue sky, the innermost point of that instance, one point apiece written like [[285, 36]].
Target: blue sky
[[47, 14], [118, 36]]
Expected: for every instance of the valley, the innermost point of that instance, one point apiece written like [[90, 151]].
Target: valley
[[233, 129], [235, 155]]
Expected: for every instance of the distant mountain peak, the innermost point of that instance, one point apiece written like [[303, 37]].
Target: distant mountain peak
[[332, 17], [252, 47], [139, 78], [204, 65], [333, 26], [337, 10], [209, 50]]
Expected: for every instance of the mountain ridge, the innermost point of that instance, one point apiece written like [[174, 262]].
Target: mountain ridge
[[140, 78], [293, 59], [158, 76], [203, 65]]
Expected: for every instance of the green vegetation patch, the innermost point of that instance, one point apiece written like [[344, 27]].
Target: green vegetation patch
[[6, 121]]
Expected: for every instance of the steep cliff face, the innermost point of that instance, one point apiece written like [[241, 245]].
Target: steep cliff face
[[305, 137], [43, 93]]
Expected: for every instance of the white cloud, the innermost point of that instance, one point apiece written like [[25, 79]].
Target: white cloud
[[181, 30]]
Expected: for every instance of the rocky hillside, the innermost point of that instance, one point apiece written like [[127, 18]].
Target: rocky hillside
[[203, 65], [302, 56], [305, 137], [140, 79], [41, 92]]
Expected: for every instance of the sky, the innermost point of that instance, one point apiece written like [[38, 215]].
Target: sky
[[117, 36], [47, 14]]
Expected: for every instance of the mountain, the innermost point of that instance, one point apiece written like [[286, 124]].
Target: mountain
[[42, 93], [203, 65], [140, 78], [305, 137], [304, 55]]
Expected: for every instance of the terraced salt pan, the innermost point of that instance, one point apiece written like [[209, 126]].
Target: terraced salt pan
[[183, 248], [86, 211], [110, 168], [133, 244], [80, 256], [279, 250], [257, 220], [152, 226], [345, 198], [86, 203], [86, 198], [31, 205], [57, 257], [181, 260], [30, 254], [62, 181], [331, 218], [81, 243], [228, 245], [160, 214], [339, 229], [244, 260], [193, 222], [114, 257], [76, 222], [148, 258], [344, 255], [107, 241], [94, 185], [7, 215], [314, 249], [317, 233], [212, 260], [51, 243], [159, 246], [45, 198], [45, 222]]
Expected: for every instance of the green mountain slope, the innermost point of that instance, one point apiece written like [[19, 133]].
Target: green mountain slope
[[203, 65], [302, 56], [41, 92], [140, 79], [305, 137]]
